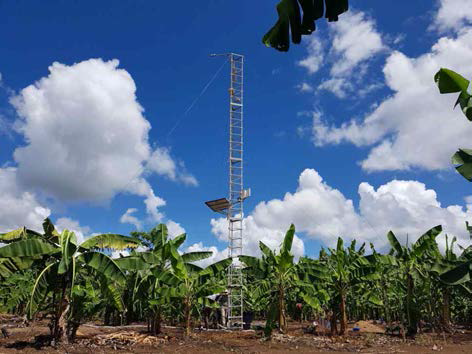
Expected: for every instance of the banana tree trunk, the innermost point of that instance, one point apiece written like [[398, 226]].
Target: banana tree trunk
[[156, 322], [412, 321], [388, 317], [59, 324], [342, 312], [334, 324], [62, 324], [187, 316], [282, 320], [446, 309]]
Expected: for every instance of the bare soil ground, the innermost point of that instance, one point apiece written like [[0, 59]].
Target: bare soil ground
[[134, 339]]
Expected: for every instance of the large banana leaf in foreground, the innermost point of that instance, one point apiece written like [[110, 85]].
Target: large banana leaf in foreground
[[449, 81], [463, 161], [290, 20]]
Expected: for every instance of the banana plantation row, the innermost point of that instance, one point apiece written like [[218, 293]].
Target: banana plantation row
[[50, 275]]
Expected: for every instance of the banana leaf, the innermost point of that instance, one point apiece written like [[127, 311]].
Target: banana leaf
[[457, 275], [290, 20], [463, 161], [132, 263], [69, 247], [103, 265], [113, 241], [195, 256], [425, 241], [449, 81], [28, 248], [395, 244]]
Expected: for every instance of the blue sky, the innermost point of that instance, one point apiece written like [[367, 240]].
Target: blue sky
[[349, 123]]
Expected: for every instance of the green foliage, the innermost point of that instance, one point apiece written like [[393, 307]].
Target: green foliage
[[158, 282], [59, 263], [463, 161], [111, 241], [15, 292], [291, 20], [276, 278], [449, 81]]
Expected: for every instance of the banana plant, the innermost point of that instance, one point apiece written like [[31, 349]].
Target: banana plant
[[443, 263], [11, 265], [276, 274], [192, 284], [91, 295], [291, 20], [449, 81], [383, 291], [15, 291], [63, 260], [456, 270], [413, 261], [148, 270], [347, 267]]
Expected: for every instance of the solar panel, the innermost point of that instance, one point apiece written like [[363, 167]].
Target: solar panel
[[218, 205]]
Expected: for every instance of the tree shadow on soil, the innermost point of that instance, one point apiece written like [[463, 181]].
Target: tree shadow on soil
[[38, 343]]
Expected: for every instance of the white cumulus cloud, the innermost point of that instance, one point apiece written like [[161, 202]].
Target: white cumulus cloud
[[354, 41], [163, 164], [142, 188], [129, 218], [453, 14], [304, 87], [315, 57], [338, 86], [323, 213], [415, 126], [18, 208], [86, 138], [174, 229]]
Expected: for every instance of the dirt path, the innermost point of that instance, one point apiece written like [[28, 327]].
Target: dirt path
[[133, 339]]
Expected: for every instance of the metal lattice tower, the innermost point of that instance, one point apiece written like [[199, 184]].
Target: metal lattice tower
[[232, 206], [236, 190]]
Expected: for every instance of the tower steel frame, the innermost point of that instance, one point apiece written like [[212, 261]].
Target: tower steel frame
[[236, 191], [232, 206]]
